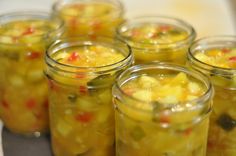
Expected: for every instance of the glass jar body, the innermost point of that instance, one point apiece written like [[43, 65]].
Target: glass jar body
[[81, 112], [92, 17], [222, 129], [141, 132], [160, 38], [24, 95]]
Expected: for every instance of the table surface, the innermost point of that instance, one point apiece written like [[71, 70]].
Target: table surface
[[17, 145], [209, 17]]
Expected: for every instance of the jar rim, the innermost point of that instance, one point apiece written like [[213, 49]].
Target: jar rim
[[155, 19], [86, 41], [31, 15], [120, 7], [207, 41], [170, 66]]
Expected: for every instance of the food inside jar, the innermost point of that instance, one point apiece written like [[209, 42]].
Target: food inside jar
[[156, 41], [222, 65], [157, 92], [156, 33], [22, 46], [147, 124], [81, 110], [90, 18]]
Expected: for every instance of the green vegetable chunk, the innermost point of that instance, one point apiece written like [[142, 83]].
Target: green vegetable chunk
[[226, 122], [72, 98], [137, 133], [101, 81]]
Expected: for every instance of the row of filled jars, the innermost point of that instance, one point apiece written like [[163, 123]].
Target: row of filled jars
[[158, 108]]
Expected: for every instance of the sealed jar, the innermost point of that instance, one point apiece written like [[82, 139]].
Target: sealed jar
[[90, 17], [157, 38], [81, 72], [24, 37], [216, 57], [161, 109]]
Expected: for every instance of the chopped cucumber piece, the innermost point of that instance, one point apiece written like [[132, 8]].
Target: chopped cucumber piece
[[148, 82], [193, 87], [101, 81], [35, 75], [16, 81], [137, 133], [64, 128], [72, 97], [175, 32], [144, 95]]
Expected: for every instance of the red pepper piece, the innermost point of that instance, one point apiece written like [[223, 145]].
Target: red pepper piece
[[73, 23], [29, 31], [73, 57], [135, 33], [165, 27], [83, 89], [164, 119], [80, 76], [129, 91], [188, 131], [46, 104], [52, 85], [31, 103], [93, 36], [225, 50], [232, 58], [97, 25], [84, 117], [5, 104], [33, 55]]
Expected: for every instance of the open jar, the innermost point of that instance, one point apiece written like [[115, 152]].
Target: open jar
[[216, 57], [90, 17], [81, 72], [161, 109], [157, 38], [24, 37]]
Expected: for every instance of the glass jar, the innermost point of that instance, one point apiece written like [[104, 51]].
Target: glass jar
[[24, 37], [153, 127], [81, 113], [222, 131], [90, 17], [157, 38]]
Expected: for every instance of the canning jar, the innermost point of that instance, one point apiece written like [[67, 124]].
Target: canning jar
[[81, 72], [157, 38], [90, 17], [161, 109], [24, 37], [216, 57]]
